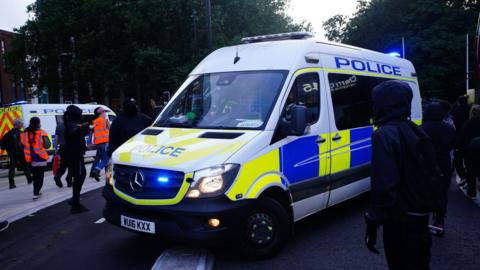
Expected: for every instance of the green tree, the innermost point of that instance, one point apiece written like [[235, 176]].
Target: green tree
[[335, 28], [114, 48], [434, 33]]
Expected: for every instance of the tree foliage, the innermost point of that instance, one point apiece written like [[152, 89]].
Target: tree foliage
[[131, 47], [434, 33]]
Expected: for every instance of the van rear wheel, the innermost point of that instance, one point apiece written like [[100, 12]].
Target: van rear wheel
[[265, 230]]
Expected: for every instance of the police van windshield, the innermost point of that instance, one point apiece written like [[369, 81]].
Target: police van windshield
[[230, 100]]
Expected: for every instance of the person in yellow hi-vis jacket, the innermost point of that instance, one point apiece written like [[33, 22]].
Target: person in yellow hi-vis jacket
[[100, 132], [35, 141]]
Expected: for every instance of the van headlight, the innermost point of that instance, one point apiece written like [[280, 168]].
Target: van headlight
[[109, 173], [213, 181]]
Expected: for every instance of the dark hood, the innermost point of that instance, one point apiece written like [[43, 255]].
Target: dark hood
[[392, 100], [130, 107], [433, 112], [73, 113]]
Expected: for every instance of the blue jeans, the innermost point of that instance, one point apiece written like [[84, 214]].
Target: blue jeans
[[101, 158]]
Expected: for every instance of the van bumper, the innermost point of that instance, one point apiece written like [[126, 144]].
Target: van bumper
[[185, 221]]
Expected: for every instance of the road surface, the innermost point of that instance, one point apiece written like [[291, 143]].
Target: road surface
[[333, 239]]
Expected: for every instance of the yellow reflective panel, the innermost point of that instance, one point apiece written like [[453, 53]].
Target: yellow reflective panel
[[261, 183], [252, 170], [371, 74], [306, 70], [148, 139], [178, 132], [340, 159], [324, 155], [125, 157], [417, 121], [189, 156]]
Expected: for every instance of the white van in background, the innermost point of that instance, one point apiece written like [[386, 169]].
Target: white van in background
[[50, 115]]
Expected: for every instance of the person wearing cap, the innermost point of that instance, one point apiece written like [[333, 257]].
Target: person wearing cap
[[100, 134], [128, 123], [75, 131]]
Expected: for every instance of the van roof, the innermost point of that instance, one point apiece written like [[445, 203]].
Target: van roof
[[286, 55]]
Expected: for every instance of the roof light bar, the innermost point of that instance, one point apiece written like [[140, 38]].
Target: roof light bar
[[274, 37]]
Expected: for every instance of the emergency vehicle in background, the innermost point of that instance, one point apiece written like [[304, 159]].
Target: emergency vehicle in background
[[50, 115], [259, 136]]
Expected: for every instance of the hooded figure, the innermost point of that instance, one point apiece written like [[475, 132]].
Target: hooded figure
[[443, 139], [126, 125], [75, 132], [406, 234]]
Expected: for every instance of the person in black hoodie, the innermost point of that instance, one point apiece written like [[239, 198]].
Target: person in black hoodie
[[128, 123], [443, 139], [75, 132], [406, 235], [460, 114], [470, 146], [11, 142]]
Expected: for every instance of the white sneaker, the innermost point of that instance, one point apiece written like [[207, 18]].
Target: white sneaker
[[35, 197]]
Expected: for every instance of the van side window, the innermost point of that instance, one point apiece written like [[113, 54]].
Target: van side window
[[305, 91], [352, 99]]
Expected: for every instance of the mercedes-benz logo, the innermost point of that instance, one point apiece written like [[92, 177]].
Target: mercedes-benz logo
[[136, 181]]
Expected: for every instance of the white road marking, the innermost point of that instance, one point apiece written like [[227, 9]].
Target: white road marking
[[184, 259], [100, 221]]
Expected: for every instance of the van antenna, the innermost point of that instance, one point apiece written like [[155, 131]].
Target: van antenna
[[237, 58]]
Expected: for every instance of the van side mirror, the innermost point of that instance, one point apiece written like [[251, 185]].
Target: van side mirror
[[298, 122]]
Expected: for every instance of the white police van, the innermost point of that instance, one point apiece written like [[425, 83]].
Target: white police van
[[50, 115], [259, 136]]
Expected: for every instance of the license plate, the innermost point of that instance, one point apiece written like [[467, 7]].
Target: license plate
[[137, 224]]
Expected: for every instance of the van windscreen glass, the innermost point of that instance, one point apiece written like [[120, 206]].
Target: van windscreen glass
[[230, 100]]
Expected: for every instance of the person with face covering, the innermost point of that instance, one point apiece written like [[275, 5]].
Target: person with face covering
[[406, 235], [75, 132], [128, 123], [442, 135]]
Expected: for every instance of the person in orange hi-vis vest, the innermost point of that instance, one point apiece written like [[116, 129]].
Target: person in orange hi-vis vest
[[35, 143], [100, 132]]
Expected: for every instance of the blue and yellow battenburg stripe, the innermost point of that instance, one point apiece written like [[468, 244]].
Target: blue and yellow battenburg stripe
[[301, 160]]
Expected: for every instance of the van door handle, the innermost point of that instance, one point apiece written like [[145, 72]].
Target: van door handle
[[336, 137], [320, 140]]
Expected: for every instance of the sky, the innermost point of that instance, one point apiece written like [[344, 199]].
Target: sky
[[13, 12]]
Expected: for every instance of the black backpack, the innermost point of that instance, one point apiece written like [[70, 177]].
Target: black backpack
[[422, 179]]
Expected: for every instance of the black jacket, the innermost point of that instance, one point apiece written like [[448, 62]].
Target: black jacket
[[391, 105], [470, 130], [441, 134], [11, 141], [124, 127], [460, 114], [74, 132]]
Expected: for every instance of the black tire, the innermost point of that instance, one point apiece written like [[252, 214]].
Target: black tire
[[265, 229]]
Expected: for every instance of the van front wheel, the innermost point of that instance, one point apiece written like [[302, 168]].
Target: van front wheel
[[265, 230]]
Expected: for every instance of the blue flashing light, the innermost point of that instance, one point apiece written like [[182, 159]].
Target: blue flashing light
[[162, 179], [395, 54]]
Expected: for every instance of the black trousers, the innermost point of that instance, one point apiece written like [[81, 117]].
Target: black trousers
[[446, 180], [63, 166], [38, 173], [17, 158], [458, 162], [473, 173], [407, 243], [76, 167]]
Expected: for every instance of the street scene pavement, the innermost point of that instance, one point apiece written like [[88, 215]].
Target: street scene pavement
[[333, 239]]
